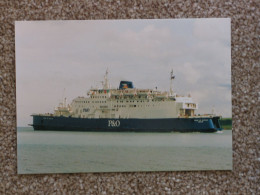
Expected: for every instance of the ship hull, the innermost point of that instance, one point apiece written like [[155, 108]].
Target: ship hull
[[60, 123]]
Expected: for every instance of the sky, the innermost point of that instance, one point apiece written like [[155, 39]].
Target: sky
[[58, 59]]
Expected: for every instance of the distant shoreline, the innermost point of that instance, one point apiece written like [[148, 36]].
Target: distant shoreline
[[226, 123]]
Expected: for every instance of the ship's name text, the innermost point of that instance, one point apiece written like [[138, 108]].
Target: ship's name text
[[201, 120], [113, 123]]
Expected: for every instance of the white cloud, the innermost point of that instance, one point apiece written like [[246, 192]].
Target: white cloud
[[190, 73]]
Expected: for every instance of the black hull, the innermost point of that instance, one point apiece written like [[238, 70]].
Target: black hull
[[54, 123]]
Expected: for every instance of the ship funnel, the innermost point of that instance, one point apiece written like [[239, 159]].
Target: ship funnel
[[126, 85]]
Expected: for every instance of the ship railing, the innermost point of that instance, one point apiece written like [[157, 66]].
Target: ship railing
[[211, 115], [183, 116], [195, 116], [144, 91], [187, 96], [204, 115], [160, 97], [45, 114], [128, 94]]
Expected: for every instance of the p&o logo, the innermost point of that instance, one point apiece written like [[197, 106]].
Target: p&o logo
[[113, 123]]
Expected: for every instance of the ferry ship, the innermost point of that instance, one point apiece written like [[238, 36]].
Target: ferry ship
[[128, 109]]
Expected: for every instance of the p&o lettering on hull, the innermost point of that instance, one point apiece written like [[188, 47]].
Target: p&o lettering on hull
[[113, 123]]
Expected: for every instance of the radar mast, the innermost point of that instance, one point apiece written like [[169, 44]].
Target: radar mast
[[106, 85], [171, 78]]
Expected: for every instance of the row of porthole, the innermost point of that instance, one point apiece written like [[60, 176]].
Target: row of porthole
[[98, 97]]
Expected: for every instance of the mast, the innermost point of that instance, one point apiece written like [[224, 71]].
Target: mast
[[106, 85], [171, 78]]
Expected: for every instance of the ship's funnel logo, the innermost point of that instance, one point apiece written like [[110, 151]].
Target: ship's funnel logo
[[126, 85]]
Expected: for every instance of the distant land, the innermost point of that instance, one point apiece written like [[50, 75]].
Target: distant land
[[226, 123]]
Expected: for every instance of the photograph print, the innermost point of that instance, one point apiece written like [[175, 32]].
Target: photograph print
[[123, 95]]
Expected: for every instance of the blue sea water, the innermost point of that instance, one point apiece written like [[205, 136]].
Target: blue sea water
[[73, 152]]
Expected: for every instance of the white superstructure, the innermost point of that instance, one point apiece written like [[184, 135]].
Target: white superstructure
[[127, 102]]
